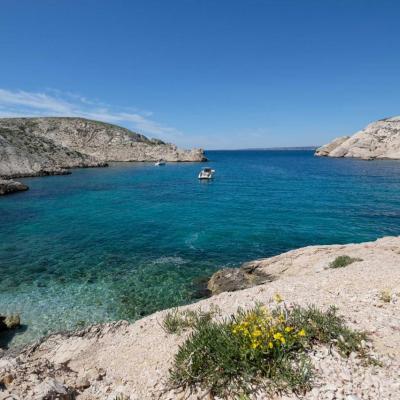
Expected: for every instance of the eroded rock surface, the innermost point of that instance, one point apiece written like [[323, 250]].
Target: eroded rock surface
[[43, 146], [379, 140]]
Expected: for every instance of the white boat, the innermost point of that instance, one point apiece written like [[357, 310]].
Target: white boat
[[159, 163], [206, 173]]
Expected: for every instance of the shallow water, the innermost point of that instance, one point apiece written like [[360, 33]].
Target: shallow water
[[125, 241]]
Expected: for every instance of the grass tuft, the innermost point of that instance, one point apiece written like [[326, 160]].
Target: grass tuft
[[177, 321], [260, 349], [343, 261], [385, 296]]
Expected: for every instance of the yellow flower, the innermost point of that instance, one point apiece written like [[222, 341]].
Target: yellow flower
[[270, 345], [281, 318], [288, 329], [278, 336], [302, 332], [257, 333], [277, 298]]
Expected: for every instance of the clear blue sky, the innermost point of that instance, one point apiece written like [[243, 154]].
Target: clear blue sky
[[210, 73]]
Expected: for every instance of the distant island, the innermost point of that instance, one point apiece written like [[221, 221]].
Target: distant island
[[53, 145], [296, 148], [379, 140]]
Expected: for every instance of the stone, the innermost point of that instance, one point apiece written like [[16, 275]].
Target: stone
[[12, 321], [232, 279], [379, 140], [6, 379], [82, 383], [51, 389], [8, 186]]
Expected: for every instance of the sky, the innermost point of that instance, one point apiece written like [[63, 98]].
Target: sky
[[216, 74]]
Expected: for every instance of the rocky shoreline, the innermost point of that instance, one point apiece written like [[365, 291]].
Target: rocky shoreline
[[52, 146], [132, 361], [379, 140], [10, 186]]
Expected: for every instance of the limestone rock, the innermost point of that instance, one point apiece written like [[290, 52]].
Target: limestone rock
[[51, 389], [9, 186], [43, 146], [379, 140], [231, 279]]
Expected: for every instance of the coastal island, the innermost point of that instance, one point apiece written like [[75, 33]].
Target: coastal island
[[379, 140], [52, 146]]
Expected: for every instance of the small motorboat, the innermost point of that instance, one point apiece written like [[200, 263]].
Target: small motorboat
[[159, 163], [206, 173]]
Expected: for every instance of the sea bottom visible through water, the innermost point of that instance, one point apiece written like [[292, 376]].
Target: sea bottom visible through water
[[122, 242]]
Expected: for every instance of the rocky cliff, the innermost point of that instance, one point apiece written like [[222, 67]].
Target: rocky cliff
[[380, 139], [46, 146]]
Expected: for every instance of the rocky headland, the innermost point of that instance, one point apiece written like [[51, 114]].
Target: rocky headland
[[379, 140], [51, 146], [132, 361]]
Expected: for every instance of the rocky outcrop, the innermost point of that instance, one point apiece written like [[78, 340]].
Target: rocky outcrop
[[123, 360], [379, 140], [51, 146], [232, 279], [300, 262], [43, 146], [9, 186]]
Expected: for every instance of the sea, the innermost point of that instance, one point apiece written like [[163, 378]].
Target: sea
[[122, 242]]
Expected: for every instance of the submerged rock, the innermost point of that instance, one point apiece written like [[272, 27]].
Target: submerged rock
[[9, 186], [12, 321], [9, 322], [380, 139]]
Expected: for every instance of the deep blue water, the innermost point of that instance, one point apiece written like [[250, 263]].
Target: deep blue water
[[124, 241]]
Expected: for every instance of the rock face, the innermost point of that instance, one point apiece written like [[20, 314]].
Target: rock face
[[41, 146], [10, 186], [379, 140]]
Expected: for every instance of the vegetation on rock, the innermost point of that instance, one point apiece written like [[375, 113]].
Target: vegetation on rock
[[260, 349], [343, 261]]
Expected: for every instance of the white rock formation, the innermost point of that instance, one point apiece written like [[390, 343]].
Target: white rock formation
[[42, 146], [379, 140]]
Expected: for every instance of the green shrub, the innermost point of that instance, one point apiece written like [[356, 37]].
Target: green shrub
[[343, 261], [259, 349], [177, 321]]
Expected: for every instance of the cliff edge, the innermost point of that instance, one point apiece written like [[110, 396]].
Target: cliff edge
[[379, 140]]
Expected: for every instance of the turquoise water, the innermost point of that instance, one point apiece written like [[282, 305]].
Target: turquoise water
[[125, 241]]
